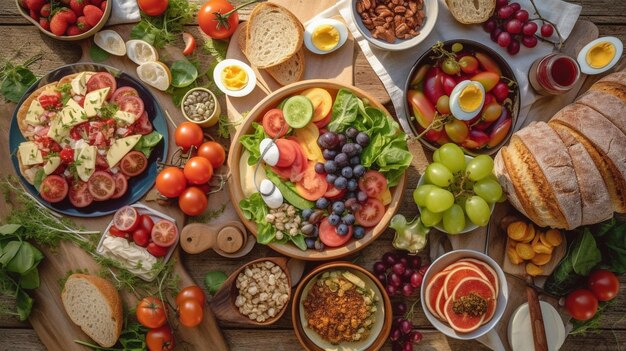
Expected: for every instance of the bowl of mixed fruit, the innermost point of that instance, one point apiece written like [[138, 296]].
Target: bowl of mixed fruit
[[463, 92], [318, 170]]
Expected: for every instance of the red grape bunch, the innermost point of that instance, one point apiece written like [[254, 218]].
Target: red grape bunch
[[510, 25]]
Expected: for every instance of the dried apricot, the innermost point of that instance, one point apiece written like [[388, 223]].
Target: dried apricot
[[541, 259], [533, 270], [543, 239], [554, 237], [525, 251], [517, 230], [513, 256], [530, 234]]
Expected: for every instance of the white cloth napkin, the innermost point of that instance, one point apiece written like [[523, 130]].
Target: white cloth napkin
[[393, 66], [124, 11]]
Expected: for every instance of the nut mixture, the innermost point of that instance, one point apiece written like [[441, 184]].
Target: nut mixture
[[339, 307], [285, 219], [263, 291], [199, 105], [392, 19]]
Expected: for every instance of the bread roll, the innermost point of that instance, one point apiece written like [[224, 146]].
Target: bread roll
[[471, 11]]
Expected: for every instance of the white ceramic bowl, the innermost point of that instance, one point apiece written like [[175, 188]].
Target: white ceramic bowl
[[469, 226], [431, 9], [503, 293]]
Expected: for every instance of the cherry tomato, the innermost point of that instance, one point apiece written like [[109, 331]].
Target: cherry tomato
[[122, 92], [191, 292], [146, 222], [603, 284], [193, 201], [79, 194], [313, 185], [116, 232], [190, 313], [157, 251], [141, 237], [67, 155], [328, 234], [214, 152], [132, 104], [151, 312], [581, 304], [134, 163], [102, 80], [188, 134], [370, 213], [121, 185], [101, 185], [53, 188], [373, 183], [153, 7], [171, 182], [126, 219], [160, 339], [274, 123], [198, 170], [209, 22], [164, 233]]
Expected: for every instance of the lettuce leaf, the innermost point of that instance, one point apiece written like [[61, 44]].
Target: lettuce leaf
[[251, 143], [147, 142]]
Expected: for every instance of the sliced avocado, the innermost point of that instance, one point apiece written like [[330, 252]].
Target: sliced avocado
[[354, 279], [291, 196]]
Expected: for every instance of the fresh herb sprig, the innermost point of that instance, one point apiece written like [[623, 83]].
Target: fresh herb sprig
[[16, 78], [162, 30]]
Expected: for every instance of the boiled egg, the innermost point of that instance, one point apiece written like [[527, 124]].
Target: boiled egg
[[272, 197], [234, 78], [325, 35], [467, 99], [269, 151], [600, 55]]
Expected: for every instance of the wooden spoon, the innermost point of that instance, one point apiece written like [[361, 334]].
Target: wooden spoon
[[228, 240]]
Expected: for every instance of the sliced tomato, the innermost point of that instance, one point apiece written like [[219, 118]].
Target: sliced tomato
[[373, 183], [53, 188], [101, 185], [143, 125], [101, 163], [333, 193], [370, 213], [287, 153], [79, 194], [122, 92], [134, 163], [121, 185], [328, 235], [323, 123], [100, 81], [116, 232], [126, 219], [132, 104], [294, 172], [80, 131], [312, 186], [274, 123], [164, 233]]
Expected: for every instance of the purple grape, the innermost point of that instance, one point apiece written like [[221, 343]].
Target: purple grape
[[501, 3], [506, 12], [400, 308], [406, 276], [328, 140], [398, 268], [407, 290], [319, 168], [329, 154], [396, 346], [389, 259], [407, 346], [515, 6], [415, 337], [406, 326], [514, 26], [394, 279], [513, 47], [397, 321], [395, 334], [349, 149], [529, 28], [403, 259], [414, 262], [382, 277], [362, 139], [391, 290], [529, 41], [330, 178], [342, 159], [341, 138], [494, 35], [379, 267], [490, 25], [417, 279], [504, 39]]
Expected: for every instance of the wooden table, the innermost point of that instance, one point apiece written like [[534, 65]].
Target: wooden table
[[18, 34]]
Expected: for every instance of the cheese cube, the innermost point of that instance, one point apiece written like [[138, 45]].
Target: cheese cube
[[124, 118], [86, 162], [94, 100], [30, 154], [51, 165], [72, 114], [79, 83], [57, 131], [33, 116], [120, 148]]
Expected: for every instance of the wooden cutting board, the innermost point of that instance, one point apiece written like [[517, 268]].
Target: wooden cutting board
[[337, 65], [48, 318]]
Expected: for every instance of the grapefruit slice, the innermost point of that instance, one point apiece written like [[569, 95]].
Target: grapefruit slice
[[462, 323], [433, 289], [457, 265], [441, 303], [484, 267], [481, 288], [456, 275]]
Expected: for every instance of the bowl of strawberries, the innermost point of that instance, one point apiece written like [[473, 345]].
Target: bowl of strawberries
[[66, 19]]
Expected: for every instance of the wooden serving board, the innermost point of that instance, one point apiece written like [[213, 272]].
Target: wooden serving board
[[337, 65], [48, 316]]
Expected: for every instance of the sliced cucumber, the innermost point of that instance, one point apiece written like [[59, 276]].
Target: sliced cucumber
[[298, 111]]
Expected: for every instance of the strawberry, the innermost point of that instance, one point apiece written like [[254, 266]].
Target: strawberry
[[34, 4], [44, 23], [96, 2], [73, 30], [93, 14], [34, 15], [77, 6], [103, 6], [45, 10], [82, 24], [68, 15], [65, 2], [58, 23]]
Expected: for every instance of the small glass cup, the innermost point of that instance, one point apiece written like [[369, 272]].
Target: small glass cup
[[554, 74]]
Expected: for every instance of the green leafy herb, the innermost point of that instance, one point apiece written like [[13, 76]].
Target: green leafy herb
[[251, 143], [15, 79], [255, 209], [224, 126], [97, 54], [39, 178], [611, 237], [216, 48], [108, 110], [208, 216], [132, 338], [214, 280], [162, 30], [183, 73], [66, 92], [147, 142], [345, 110]]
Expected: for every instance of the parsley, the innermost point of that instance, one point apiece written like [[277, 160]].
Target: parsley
[[216, 48], [224, 126], [66, 92], [108, 110], [15, 79], [162, 30]]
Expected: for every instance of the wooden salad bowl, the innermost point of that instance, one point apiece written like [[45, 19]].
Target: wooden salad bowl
[[236, 192]]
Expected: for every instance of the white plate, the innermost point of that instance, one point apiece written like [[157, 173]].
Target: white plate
[[310, 29], [217, 78], [521, 332]]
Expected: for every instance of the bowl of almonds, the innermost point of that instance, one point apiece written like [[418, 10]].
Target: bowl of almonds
[[200, 106], [395, 24]]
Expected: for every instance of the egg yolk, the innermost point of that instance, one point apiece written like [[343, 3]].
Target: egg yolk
[[325, 37], [234, 77], [470, 98], [600, 54]]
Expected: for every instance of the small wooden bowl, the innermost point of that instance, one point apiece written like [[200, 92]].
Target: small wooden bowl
[[87, 34], [212, 119], [223, 302], [385, 304]]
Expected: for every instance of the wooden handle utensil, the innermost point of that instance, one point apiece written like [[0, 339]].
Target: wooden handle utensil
[[536, 320]]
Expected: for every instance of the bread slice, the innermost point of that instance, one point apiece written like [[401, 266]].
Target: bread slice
[[471, 11], [617, 77], [500, 171], [273, 36], [604, 142], [95, 306], [286, 73], [608, 98]]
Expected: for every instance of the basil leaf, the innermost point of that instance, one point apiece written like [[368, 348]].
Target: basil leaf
[[23, 260], [24, 304], [15, 85], [9, 229], [39, 176], [214, 280], [147, 142], [298, 240], [30, 279], [613, 248], [585, 255], [9, 252], [143, 31], [183, 73], [97, 54]]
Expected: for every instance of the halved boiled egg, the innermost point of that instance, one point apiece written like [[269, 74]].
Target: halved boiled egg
[[600, 55], [467, 99], [325, 35]]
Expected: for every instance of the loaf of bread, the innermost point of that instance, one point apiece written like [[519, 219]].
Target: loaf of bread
[[95, 306], [571, 171], [471, 11], [273, 36]]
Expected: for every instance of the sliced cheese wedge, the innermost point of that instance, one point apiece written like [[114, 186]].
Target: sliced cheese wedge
[[124, 118], [94, 100], [51, 165], [35, 110], [57, 131], [30, 154], [86, 162], [120, 148], [79, 83], [72, 114]]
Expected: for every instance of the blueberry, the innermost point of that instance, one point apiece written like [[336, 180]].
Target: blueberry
[[358, 232], [358, 171], [341, 159], [338, 207], [330, 178], [362, 139], [341, 183], [348, 219], [349, 149], [347, 172], [352, 132], [330, 167], [319, 168], [342, 229], [358, 149], [334, 219], [356, 160], [351, 194], [306, 213], [322, 203], [361, 196], [353, 185], [329, 154], [328, 140], [310, 243]]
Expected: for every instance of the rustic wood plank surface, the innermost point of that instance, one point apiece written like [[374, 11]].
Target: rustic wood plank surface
[[17, 33]]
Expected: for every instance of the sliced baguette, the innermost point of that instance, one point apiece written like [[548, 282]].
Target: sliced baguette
[[95, 306], [608, 98], [273, 35], [471, 11]]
